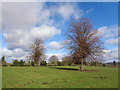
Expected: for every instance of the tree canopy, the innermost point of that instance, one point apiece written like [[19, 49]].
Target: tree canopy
[[37, 51], [53, 59], [82, 41]]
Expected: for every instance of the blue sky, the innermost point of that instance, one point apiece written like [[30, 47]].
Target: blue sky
[[23, 22]]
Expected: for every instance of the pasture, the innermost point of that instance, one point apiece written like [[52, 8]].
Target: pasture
[[59, 77]]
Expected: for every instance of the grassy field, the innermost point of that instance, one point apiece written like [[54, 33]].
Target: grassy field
[[59, 77]]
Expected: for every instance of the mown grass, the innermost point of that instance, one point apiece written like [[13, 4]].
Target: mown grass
[[59, 77]]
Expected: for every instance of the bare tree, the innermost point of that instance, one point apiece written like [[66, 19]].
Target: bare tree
[[53, 60], [66, 60], [37, 51], [83, 41]]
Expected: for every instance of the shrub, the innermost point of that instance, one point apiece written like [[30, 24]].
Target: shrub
[[114, 63], [21, 63], [32, 63], [59, 63], [16, 63], [69, 63], [104, 65], [3, 61], [43, 63]]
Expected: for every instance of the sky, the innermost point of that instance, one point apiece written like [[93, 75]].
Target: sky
[[23, 22]]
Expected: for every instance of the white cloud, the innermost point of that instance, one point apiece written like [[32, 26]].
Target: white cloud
[[106, 51], [67, 10], [89, 10], [16, 52], [44, 32], [26, 15], [13, 54], [22, 39], [54, 45], [111, 55], [108, 32], [19, 54], [19, 20], [113, 41], [20, 15]]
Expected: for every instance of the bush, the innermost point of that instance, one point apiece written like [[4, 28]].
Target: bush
[[96, 63], [32, 63], [69, 63], [85, 63], [43, 63], [16, 63], [59, 63], [4, 65], [104, 65], [21, 63], [114, 63]]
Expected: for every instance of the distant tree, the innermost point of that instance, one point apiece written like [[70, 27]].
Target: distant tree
[[29, 59], [85, 63], [24, 62], [114, 63], [3, 61], [45, 63], [21, 63], [53, 60], [37, 51], [59, 63], [16, 63], [67, 60], [3, 58], [93, 64], [83, 41]]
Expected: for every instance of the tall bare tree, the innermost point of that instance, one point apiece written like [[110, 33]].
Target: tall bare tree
[[83, 41], [37, 51]]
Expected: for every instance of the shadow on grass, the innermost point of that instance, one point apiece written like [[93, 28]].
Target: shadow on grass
[[65, 68], [73, 69]]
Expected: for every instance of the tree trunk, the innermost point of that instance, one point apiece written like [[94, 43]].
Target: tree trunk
[[81, 66], [36, 63], [30, 62]]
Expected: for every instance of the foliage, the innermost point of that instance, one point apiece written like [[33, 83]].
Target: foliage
[[53, 60], [67, 60], [32, 63], [3, 61], [59, 63], [104, 65], [16, 63], [43, 63], [21, 63], [114, 63], [95, 63], [3, 58]]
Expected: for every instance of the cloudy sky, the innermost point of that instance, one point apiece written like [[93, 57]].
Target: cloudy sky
[[23, 22]]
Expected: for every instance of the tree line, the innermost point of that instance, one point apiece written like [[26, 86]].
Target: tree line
[[53, 61], [82, 43]]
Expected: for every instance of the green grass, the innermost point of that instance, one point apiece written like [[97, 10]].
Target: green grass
[[22, 77]]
